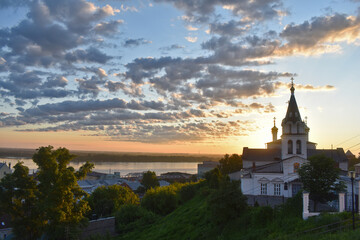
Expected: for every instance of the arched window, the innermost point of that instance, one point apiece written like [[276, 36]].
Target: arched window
[[290, 147], [298, 147]]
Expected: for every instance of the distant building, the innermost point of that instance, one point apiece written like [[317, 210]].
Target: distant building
[[4, 169], [273, 171], [349, 155], [102, 176], [205, 167], [175, 176]]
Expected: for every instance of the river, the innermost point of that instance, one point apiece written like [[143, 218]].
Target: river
[[122, 167]]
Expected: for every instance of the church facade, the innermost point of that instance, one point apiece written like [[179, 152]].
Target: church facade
[[273, 171]]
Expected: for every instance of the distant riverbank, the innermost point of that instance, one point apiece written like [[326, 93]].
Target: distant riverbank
[[83, 156]]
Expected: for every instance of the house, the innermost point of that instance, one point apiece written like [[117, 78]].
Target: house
[[270, 174], [4, 169]]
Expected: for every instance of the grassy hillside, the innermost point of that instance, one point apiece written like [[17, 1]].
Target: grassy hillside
[[193, 220], [189, 221]]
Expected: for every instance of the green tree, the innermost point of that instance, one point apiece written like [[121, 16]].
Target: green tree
[[229, 164], [150, 180], [18, 197], [213, 178], [227, 202], [104, 201], [56, 201], [319, 176]]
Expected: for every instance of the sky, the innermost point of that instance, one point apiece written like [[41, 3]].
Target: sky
[[176, 76]]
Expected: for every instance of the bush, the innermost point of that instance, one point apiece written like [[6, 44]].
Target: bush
[[160, 200], [104, 201], [227, 202], [131, 217], [187, 192], [261, 216], [213, 178]]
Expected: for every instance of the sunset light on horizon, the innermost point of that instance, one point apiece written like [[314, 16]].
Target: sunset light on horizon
[[176, 76]]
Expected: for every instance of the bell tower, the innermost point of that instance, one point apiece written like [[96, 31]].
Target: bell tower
[[294, 130]]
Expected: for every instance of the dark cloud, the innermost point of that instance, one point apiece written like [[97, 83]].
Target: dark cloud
[[316, 36], [58, 81], [231, 28], [202, 10], [89, 55], [108, 28], [135, 42], [172, 47]]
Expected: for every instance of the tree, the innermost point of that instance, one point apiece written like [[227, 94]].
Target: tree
[[319, 177], [18, 197], [104, 201], [56, 201], [229, 164], [227, 202], [150, 180]]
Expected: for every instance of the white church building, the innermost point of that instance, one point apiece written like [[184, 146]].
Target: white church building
[[273, 171]]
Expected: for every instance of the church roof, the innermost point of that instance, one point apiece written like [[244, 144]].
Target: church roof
[[259, 155], [337, 154], [292, 113]]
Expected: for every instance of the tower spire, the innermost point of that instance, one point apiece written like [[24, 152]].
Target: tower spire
[[274, 131], [292, 89]]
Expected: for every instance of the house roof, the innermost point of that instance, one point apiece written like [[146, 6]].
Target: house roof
[[261, 155], [337, 154], [269, 168]]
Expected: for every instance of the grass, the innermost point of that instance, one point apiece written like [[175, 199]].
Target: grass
[[192, 220]]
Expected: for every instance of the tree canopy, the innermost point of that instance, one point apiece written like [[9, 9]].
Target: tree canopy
[[104, 201], [229, 164], [150, 180], [54, 203], [319, 177]]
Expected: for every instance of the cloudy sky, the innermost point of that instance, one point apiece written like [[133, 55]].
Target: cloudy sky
[[193, 76]]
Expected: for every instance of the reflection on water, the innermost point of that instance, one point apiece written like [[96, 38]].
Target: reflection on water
[[123, 167]]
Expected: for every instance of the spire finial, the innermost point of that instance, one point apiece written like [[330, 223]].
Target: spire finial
[[306, 120], [292, 89], [274, 121]]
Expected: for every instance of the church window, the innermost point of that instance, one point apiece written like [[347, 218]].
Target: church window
[[296, 167], [277, 189], [298, 147], [290, 147], [264, 189]]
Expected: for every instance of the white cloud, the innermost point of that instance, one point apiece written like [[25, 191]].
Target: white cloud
[[191, 39]]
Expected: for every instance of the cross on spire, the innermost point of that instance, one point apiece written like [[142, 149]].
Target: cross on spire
[[292, 89], [274, 121]]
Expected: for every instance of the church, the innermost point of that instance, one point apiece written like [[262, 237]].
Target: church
[[273, 171]]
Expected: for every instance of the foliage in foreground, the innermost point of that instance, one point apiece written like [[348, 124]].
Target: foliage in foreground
[[106, 200], [54, 204], [319, 177], [194, 219]]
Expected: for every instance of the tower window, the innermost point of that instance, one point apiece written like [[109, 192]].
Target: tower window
[[290, 147], [298, 147]]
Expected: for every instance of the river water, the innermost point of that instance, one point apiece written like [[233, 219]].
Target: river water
[[122, 167]]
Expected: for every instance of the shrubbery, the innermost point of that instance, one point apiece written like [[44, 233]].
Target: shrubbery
[[227, 202], [105, 201], [160, 200], [131, 217]]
